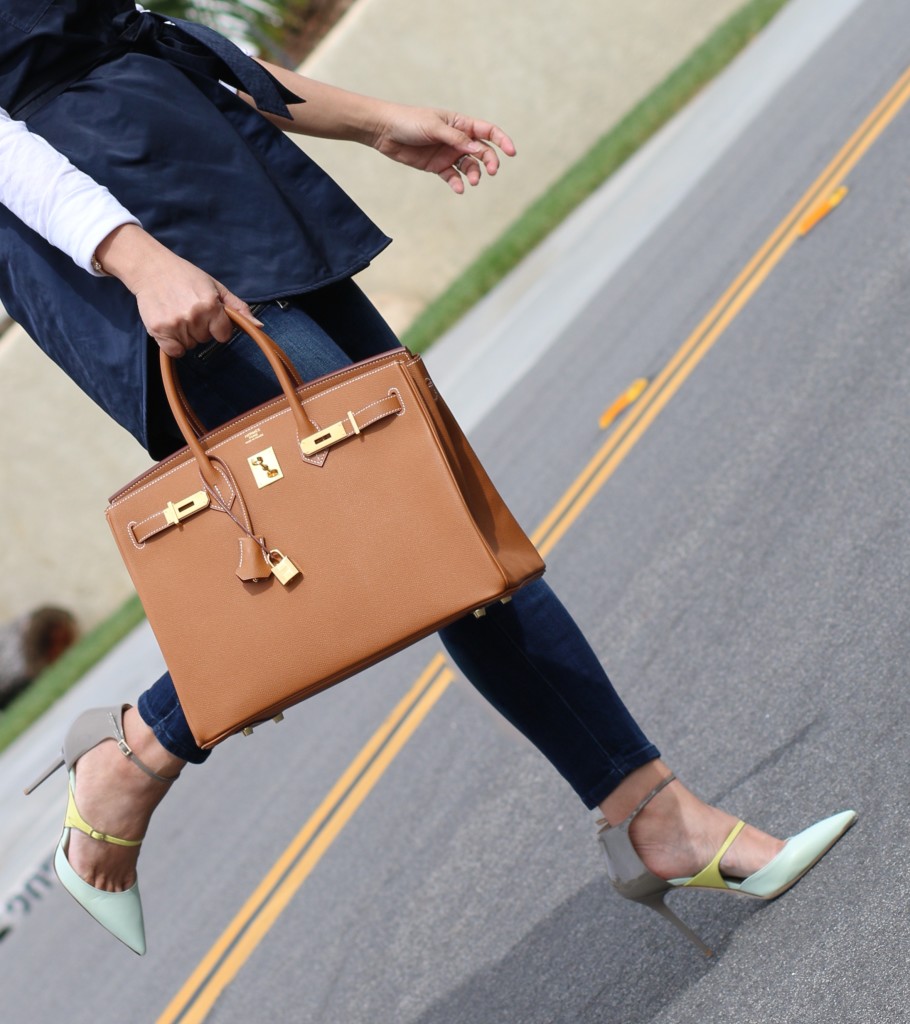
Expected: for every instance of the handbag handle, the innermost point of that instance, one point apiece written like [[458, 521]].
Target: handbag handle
[[186, 418], [196, 424]]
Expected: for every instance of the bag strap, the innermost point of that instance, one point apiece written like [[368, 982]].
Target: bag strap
[[193, 418], [188, 421], [175, 512]]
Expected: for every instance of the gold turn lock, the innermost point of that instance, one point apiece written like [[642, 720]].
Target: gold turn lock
[[176, 512], [282, 567], [331, 435]]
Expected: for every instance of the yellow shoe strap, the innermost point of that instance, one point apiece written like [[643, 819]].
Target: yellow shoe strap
[[710, 876], [75, 820]]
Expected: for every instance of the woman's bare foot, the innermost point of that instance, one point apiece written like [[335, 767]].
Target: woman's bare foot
[[676, 834], [117, 798]]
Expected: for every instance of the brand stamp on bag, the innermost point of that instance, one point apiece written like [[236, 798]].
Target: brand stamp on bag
[[252, 435]]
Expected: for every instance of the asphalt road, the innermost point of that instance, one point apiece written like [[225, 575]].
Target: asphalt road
[[742, 567]]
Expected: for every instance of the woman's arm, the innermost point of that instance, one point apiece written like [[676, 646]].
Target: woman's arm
[[443, 142], [45, 191], [180, 305]]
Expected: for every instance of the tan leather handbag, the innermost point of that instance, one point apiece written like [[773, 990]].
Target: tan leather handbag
[[311, 537]]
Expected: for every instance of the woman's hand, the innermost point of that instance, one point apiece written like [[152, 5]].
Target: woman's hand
[[456, 147], [180, 305]]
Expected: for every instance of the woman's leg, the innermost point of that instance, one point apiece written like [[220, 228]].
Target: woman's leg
[[224, 380], [532, 663], [221, 381], [528, 657]]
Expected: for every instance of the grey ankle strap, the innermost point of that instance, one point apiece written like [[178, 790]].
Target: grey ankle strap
[[627, 821], [660, 785], [127, 751]]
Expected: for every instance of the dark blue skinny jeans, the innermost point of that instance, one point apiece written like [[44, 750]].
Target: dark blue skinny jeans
[[528, 657]]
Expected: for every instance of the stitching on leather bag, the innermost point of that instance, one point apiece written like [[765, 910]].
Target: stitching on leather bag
[[158, 478], [181, 461], [381, 416], [133, 524], [240, 433], [401, 402], [363, 376], [235, 494], [130, 526]]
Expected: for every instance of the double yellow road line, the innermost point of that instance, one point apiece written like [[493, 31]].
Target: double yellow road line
[[221, 964], [698, 344]]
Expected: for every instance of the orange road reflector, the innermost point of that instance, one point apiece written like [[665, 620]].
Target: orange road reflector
[[632, 392], [822, 210]]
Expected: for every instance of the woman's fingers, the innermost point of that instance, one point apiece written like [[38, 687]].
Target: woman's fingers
[[180, 305], [187, 309], [479, 145], [453, 179]]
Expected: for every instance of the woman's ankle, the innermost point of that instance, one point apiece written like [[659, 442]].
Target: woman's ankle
[[146, 746], [634, 788], [676, 834]]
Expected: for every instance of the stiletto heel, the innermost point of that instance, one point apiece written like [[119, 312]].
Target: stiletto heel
[[44, 776], [634, 881], [657, 903], [119, 912]]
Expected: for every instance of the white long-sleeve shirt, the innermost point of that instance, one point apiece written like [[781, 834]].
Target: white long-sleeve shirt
[[58, 201]]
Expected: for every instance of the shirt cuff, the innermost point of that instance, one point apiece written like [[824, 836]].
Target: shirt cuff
[[86, 246]]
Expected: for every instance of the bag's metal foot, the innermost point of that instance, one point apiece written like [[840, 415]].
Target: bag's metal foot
[[480, 612]]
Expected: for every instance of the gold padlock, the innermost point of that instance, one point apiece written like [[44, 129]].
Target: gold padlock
[[282, 567]]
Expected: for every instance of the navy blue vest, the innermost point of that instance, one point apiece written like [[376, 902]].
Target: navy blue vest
[[135, 102]]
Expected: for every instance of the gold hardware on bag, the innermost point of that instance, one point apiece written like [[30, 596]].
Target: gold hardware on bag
[[278, 718], [265, 467], [178, 511], [248, 731], [282, 567], [323, 438], [353, 422], [479, 613]]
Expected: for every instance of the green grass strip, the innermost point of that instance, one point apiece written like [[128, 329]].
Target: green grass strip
[[605, 156], [67, 670]]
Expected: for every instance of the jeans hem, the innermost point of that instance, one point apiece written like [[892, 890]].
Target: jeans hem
[[597, 793], [159, 726]]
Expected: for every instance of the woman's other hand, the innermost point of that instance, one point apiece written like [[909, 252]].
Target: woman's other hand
[[456, 147], [180, 305]]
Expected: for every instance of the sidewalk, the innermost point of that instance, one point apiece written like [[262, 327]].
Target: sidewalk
[[473, 365]]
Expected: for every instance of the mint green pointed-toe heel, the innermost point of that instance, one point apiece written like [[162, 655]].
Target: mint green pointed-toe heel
[[634, 881], [119, 912]]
